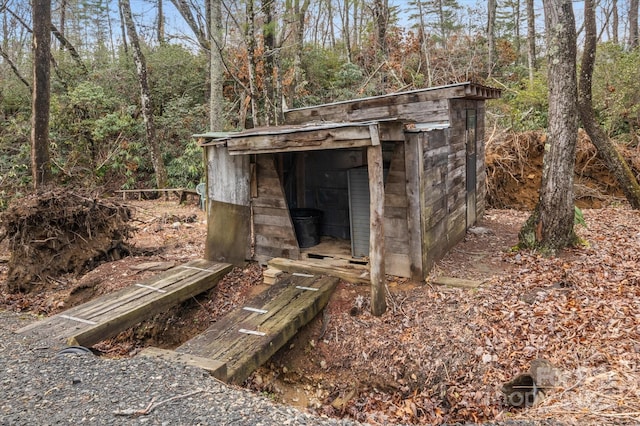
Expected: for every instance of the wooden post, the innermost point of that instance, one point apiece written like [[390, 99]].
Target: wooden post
[[414, 167], [376, 236]]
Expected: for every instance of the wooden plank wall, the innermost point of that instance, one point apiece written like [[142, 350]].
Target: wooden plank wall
[[458, 125], [397, 260], [434, 196], [481, 180], [273, 229], [444, 182], [421, 107]]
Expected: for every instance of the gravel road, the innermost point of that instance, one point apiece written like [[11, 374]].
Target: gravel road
[[40, 387]]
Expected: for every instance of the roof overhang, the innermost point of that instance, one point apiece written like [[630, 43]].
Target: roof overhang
[[310, 137]]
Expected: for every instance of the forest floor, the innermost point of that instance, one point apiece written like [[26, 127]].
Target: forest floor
[[439, 354]]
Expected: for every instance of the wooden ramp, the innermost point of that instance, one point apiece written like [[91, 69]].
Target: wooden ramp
[[110, 314], [233, 347]]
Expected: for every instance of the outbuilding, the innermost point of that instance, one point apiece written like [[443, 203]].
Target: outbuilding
[[391, 181]]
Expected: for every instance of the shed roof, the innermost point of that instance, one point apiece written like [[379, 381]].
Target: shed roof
[[412, 106], [308, 137]]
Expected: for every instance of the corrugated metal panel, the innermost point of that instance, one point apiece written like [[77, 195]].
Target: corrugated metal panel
[[359, 211]]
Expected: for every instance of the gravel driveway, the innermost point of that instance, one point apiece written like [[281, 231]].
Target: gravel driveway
[[40, 387]]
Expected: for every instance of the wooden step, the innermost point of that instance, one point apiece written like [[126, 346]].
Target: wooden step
[[110, 314], [248, 336], [353, 273]]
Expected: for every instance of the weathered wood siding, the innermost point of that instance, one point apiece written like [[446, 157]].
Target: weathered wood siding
[[227, 206], [458, 126], [397, 259], [481, 188], [443, 185], [273, 229], [434, 195], [428, 106]]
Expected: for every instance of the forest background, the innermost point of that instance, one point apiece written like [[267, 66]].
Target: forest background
[[277, 55]]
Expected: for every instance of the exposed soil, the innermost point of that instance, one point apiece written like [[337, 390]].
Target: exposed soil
[[439, 354], [514, 171]]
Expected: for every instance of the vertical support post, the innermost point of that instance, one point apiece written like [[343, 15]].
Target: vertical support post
[[376, 236], [414, 170]]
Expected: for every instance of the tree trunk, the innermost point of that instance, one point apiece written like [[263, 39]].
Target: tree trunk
[[217, 69], [633, 24], [145, 97], [160, 28], [300, 12], [13, 67], [550, 227], [531, 41], [491, 32], [381, 19], [273, 111], [40, 160], [606, 148], [250, 37], [187, 14], [66, 44], [614, 21], [63, 18]]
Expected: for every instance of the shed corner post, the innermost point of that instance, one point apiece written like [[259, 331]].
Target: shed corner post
[[376, 235], [228, 207]]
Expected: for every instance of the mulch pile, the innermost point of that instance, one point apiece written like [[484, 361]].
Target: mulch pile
[[58, 231]]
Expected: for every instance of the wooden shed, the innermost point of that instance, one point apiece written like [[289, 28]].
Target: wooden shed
[[391, 181]]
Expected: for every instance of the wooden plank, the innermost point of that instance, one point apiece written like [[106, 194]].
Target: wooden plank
[[90, 311], [457, 282], [279, 330], [216, 368], [376, 234], [398, 265], [283, 309], [353, 274], [110, 314], [303, 139], [231, 175], [274, 235], [228, 233], [383, 106], [137, 313]]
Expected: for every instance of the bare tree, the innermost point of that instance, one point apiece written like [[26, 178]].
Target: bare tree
[[145, 97], [531, 40], [633, 24], [550, 226], [41, 91], [606, 148], [217, 68], [614, 21], [492, 6]]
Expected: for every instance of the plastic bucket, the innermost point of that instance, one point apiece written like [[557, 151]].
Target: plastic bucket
[[307, 225]]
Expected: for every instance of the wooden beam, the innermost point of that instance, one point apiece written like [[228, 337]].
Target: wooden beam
[[301, 140], [351, 273], [376, 235], [414, 169]]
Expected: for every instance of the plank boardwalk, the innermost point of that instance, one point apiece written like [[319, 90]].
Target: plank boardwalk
[[110, 314], [248, 336]]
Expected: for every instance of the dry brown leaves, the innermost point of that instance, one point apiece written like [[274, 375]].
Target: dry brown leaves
[[441, 355]]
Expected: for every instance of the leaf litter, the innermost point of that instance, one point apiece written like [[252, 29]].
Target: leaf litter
[[439, 354], [442, 354]]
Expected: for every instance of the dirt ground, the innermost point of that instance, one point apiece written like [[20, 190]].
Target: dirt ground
[[439, 354]]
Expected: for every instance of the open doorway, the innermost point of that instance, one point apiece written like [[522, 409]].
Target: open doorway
[[333, 183]]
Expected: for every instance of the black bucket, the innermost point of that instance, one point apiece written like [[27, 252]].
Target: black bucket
[[307, 225]]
